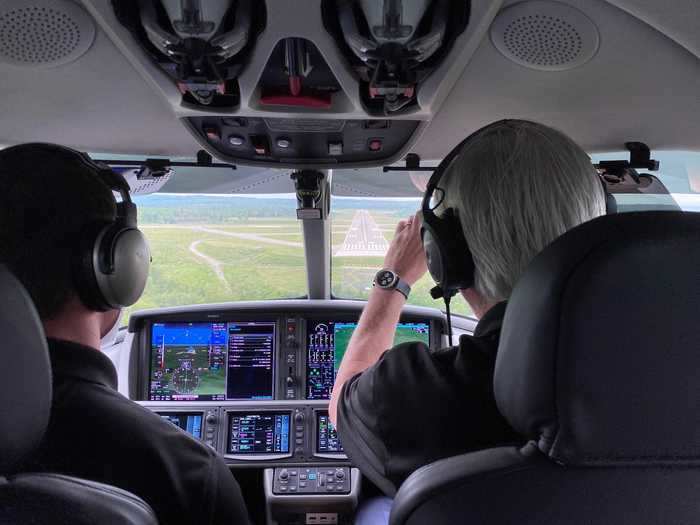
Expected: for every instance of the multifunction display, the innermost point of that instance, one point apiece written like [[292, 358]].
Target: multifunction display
[[258, 433], [327, 440], [327, 343], [212, 361], [191, 422]]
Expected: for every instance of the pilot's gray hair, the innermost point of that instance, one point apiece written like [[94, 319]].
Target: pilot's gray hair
[[516, 186]]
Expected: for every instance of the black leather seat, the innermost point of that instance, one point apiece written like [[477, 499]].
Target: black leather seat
[[599, 366], [25, 404]]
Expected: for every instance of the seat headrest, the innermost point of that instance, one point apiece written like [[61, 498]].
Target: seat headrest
[[599, 357], [25, 374]]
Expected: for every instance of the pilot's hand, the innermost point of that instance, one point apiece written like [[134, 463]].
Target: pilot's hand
[[405, 255]]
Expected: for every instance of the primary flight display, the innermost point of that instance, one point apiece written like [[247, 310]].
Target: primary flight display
[[212, 361]]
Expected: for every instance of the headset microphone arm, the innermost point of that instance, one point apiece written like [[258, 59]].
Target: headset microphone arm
[[436, 293]]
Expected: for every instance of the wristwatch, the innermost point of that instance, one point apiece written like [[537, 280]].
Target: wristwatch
[[389, 280]]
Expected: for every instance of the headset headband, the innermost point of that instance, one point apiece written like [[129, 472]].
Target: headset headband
[[126, 210]]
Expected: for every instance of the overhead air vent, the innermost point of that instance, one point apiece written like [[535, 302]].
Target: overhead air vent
[[544, 35], [43, 33]]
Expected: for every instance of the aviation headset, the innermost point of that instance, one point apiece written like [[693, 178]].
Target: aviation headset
[[450, 262], [112, 260]]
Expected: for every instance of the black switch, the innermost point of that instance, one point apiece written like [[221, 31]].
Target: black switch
[[236, 122]]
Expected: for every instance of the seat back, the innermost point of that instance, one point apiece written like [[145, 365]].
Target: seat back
[[599, 367], [25, 406]]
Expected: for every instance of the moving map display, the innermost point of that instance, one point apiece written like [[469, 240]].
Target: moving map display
[[327, 343], [211, 361]]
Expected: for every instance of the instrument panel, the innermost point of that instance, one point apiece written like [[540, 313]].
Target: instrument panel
[[252, 380], [264, 433]]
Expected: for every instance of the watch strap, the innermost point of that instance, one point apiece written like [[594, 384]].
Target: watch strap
[[403, 287]]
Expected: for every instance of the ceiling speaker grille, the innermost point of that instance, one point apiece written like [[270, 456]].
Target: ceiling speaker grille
[[544, 35], [43, 33]]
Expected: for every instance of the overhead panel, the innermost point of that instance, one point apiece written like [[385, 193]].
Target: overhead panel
[[276, 64], [303, 142]]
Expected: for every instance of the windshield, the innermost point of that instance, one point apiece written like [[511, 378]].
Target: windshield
[[217, 248]]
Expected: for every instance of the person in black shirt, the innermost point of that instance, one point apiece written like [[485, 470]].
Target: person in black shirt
[[515, 186], [50, 200]]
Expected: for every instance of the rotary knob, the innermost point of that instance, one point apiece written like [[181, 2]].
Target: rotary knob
[[339, 473]]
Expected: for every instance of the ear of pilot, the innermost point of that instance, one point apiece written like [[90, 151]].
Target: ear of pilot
[[433, 429]]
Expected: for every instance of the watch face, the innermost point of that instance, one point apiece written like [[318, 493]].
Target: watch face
[[385, 278]]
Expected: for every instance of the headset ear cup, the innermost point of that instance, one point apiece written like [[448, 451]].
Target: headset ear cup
[[449, 260], [610, 203], [122, 281], [85, 271], [462, 267], [434, 254]]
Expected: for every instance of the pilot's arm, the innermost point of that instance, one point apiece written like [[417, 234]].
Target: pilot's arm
[[375, 331]]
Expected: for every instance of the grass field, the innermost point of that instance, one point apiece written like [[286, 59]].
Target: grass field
[[218, 249]]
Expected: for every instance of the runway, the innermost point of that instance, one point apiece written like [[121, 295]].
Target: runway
[[364, 238]]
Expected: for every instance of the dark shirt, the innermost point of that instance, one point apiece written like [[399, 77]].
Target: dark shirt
[[96, 433], [415, 406]]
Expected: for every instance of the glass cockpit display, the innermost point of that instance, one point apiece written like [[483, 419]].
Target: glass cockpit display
[[327, 343], [327, 440], [258, 433], [212, 361], [190, 422]]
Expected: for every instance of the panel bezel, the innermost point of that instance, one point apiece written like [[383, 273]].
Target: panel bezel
[[436, 327], [144, 357], [314, 441], [304, 311], [224, 426]]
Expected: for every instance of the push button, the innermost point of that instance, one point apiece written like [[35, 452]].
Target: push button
[[261, 144], [335, 148], [374, 145], [236, 140], [212, 133]]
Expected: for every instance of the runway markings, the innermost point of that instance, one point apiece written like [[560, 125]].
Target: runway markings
[[364, 238]]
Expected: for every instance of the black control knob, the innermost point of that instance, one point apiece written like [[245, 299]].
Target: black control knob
[[290, 381], [212, 419], [292, 342], [339, 473], [284, 474], [299, 417]]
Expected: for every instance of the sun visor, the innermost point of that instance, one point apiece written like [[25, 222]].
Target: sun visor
[[243, 180], [374, 182]]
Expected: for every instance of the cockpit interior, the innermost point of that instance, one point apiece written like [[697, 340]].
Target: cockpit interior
[[271, 147]]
